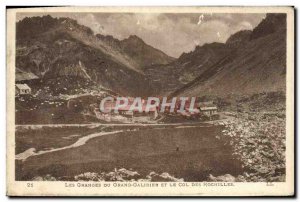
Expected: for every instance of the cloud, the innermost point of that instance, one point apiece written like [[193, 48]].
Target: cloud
[[169, 32]]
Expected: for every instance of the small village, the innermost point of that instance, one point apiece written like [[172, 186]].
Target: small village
[[202, 110]]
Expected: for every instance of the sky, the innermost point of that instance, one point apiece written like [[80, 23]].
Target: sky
[[173, 33]]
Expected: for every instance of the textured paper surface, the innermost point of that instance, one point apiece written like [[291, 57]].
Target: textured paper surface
[[66, 188]]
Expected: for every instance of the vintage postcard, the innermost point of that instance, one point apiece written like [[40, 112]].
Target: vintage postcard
[[150, 101]]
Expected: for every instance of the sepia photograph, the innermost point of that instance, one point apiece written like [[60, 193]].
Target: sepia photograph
[[191, 97]]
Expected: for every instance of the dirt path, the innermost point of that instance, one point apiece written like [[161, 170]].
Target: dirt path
[[81, 141]]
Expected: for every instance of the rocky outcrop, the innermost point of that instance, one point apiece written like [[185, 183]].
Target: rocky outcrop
[[52, 48], [254, 63]]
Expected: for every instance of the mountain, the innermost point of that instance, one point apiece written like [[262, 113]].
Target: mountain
[[252, 62], [61, 49], [143, 54]]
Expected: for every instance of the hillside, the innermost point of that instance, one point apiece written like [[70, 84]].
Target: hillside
[[255, 61], [59, 50], [143, 54], [186, 68]]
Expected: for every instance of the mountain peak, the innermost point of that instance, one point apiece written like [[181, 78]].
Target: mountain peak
[[134, 38]]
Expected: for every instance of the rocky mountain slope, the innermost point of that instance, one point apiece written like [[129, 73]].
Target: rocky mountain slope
[[56, 48], [252, 62]]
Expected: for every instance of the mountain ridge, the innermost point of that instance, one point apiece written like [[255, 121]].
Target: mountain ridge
[[63, 43], [253, 59]]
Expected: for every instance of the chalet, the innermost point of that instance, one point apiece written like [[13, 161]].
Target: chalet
[[23, 89], [125, 111], [206, 103], [207, 108]]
